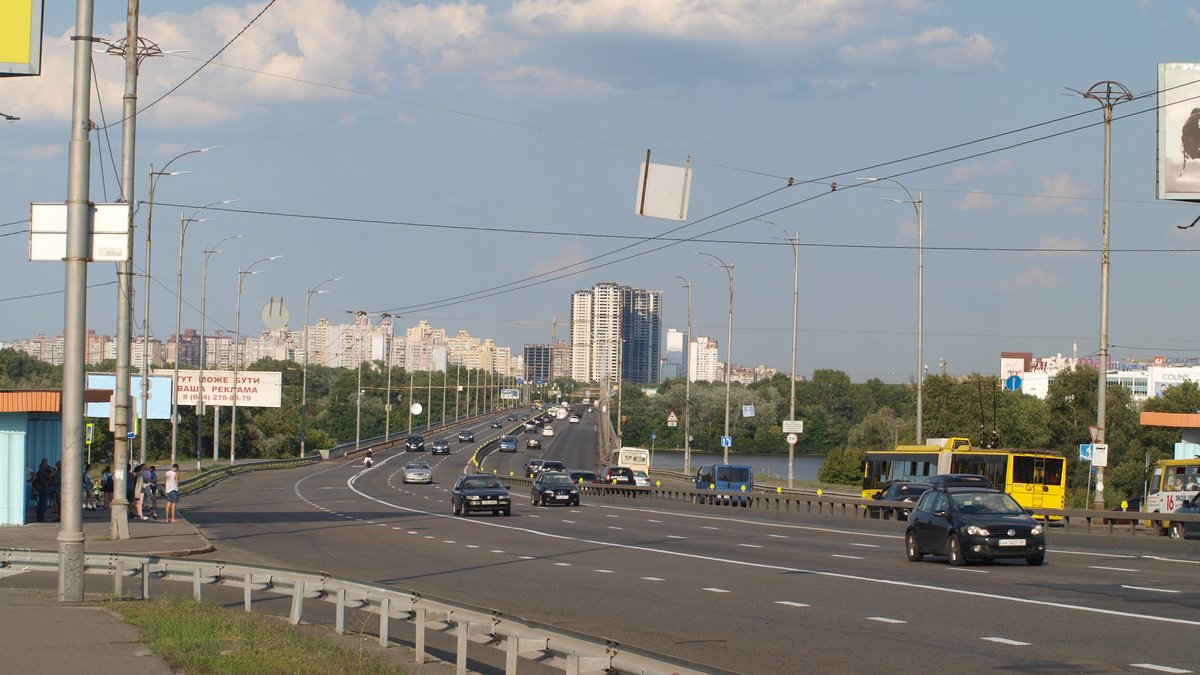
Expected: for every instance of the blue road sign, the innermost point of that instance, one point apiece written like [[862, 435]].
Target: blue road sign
[[520, 380], [727, 441], [1013, 383], [654, 437], [1085, 452]]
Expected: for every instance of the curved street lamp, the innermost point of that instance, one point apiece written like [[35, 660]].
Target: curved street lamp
[[237, 353], [687, 383], [728, 267], [204, 353], [315, 290], [918, 204], [795, 243]]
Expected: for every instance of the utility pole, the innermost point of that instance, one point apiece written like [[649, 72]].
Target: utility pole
[[1107, 94], [687, 383]]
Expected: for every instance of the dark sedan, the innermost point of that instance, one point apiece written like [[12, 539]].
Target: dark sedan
[[1180, 530], [973, 523], [466, 437], [480, 492], [497, 424], [897, 492], [415, 444], [441, 447], [585, 477], [554, 487]]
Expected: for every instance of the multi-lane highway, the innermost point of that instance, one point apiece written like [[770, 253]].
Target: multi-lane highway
[[729, 588]]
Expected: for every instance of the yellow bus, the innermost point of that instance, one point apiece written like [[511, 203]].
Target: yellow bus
[[1036, 479], [1173, 482]]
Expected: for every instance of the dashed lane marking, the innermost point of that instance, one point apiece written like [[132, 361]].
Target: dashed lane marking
[[653, 579], [847, 557], [750, 545], [1112, 569], [1161, 669], [717, 590], [1006, 641], [789, 603], [603, 571], [562, 564], [884, 619], [865, 545], [1152, 590]]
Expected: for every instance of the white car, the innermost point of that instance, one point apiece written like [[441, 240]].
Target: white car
[[641, 478], [417, 472], [574, 419], [548, 430]]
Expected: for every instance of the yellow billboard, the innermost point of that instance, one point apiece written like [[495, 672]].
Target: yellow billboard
[[20, 37]]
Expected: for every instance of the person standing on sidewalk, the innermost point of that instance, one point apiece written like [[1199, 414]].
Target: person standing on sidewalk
[[106, 487], [41, 485], [138, 485], [172, 487]]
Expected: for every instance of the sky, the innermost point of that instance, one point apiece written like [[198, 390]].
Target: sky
[[474, 163]]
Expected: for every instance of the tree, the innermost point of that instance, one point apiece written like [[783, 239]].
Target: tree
[[879, 430], [843, 466]]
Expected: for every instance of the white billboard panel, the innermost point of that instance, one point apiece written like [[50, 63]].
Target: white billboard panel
[[158, 400], [1178, 165], [256, 389], [510, 394], [108, 227], [663, 190], [20, 37]]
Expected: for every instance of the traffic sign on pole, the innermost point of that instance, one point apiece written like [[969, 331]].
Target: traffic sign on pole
[[727, 441], [1099, 454], [672, 419], [792, 439]]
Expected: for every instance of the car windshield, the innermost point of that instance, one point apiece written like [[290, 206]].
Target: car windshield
[[416, 465], [552, 466], [481, 482], [509, 439], [986, 502], [556, 479]]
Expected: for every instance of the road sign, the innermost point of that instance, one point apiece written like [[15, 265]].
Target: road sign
[[654, 437], [1013, 383], [672, 419], [793, 439], [1094, 431], [1100, 454], [90, 433], [1085, 452], [748, 410], [793, 426], [727, 441]]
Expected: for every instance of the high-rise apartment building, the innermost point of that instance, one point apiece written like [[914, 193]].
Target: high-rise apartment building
[[537, 363], [641, 329], [703, 361], [615, 332], [674, 363]]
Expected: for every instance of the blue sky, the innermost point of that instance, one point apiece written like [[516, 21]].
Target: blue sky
[[428, 152]]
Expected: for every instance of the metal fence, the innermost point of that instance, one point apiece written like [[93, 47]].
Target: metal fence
[[574, 653]]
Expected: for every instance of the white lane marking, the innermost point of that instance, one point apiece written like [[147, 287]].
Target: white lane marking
[[412, 532], [526, 557], [1113, 569], [651, 520], [430, 536], [1006, 641], [964, 569], [603, 571], [789, 603], [397, 528], [865, 545], [534, 515], [472, 546], [709, 527], [847, 557], [675, 536], [653, 579], [750, 545], [562, 564], [568, 521], [1161, 669], [614, 527], [612, 515], [884, 619], [778, 536], [1152, 590], [11, 571], [496, 550], [716, 590], [859, 579]]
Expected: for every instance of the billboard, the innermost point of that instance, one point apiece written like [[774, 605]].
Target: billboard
[[510, 394], [20, 37], [158, 402], [256, 389], [1178, 165]]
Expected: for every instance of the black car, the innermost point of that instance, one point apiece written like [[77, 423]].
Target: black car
[[415, 444], [554, 487], [480, 492], [619, 475], [533, 442], [441, 447], [585, 477], [512, 418], [532, 467], [897, 492], [466, 437], [1180, 530], [964, 523], [497, 424], [551, 465]]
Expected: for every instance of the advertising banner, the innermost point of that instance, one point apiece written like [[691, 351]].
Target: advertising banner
[[510, 394], [20, 37], [158, 402], [1179, 131], [256, 389]]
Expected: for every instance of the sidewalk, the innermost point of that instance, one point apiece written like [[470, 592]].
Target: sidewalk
[[39, 634]]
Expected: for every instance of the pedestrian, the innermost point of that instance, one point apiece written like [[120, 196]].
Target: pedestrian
[[138, 484], [56, 488], [149, 490], [106, 488], [89, 497], [172, 486], [41, 486]]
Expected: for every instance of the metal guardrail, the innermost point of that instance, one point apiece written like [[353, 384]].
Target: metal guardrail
[[207, 478], [570, 651]]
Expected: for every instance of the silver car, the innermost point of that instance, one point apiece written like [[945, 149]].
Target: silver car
[[417, 472]]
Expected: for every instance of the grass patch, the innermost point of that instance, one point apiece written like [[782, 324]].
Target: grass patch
[[199, 637]]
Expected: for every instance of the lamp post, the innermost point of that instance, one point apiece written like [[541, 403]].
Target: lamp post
[[183, 225], [457, 386], [387, 410], [918, 204], [687, 383], [795, 243], [728, 267], [237, 353], [410, 402], [203, 351], [360, 318], [316, 290], [620, 386]]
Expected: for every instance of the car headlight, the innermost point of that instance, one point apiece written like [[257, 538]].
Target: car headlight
[[473, 498], [574, 491], [548, 492], [977, 531], [1037, 529]]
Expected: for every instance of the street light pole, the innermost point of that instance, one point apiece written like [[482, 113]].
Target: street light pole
[[387, 410], [316, 290], [183, 225], [203, 350], [918, 204], [728, 345], [360, 318], [237, 354], [795, 243], [687, 384]]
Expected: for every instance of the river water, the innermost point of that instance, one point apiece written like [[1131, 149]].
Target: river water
[[805, 467]]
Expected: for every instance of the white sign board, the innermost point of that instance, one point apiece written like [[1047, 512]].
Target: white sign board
[[1099, 454], [663, 191], [748, 410], [507, 394], [108, 229], [793, 426], [256, 389], [672, 419]]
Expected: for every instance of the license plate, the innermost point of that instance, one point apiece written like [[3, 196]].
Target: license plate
[[562, 496], [1012, 542], [488, 502]]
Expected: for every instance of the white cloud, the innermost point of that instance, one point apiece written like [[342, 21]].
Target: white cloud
[[941, 48], [546, 82], [976, 200], [963, 173], [1059, 192], [1070, 248], [38, 152], [569, 254], [1035, 277]]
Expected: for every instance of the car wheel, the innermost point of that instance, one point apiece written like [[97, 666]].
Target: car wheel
[[954, 551], [910, 546], [533, 500], [495, 512], [1177, 532], [1036, 560], [508, 512], [457, 509]]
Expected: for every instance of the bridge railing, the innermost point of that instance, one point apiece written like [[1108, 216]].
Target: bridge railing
[[570, 651]]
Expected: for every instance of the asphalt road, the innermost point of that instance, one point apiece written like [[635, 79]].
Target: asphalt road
[[731, 588]]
